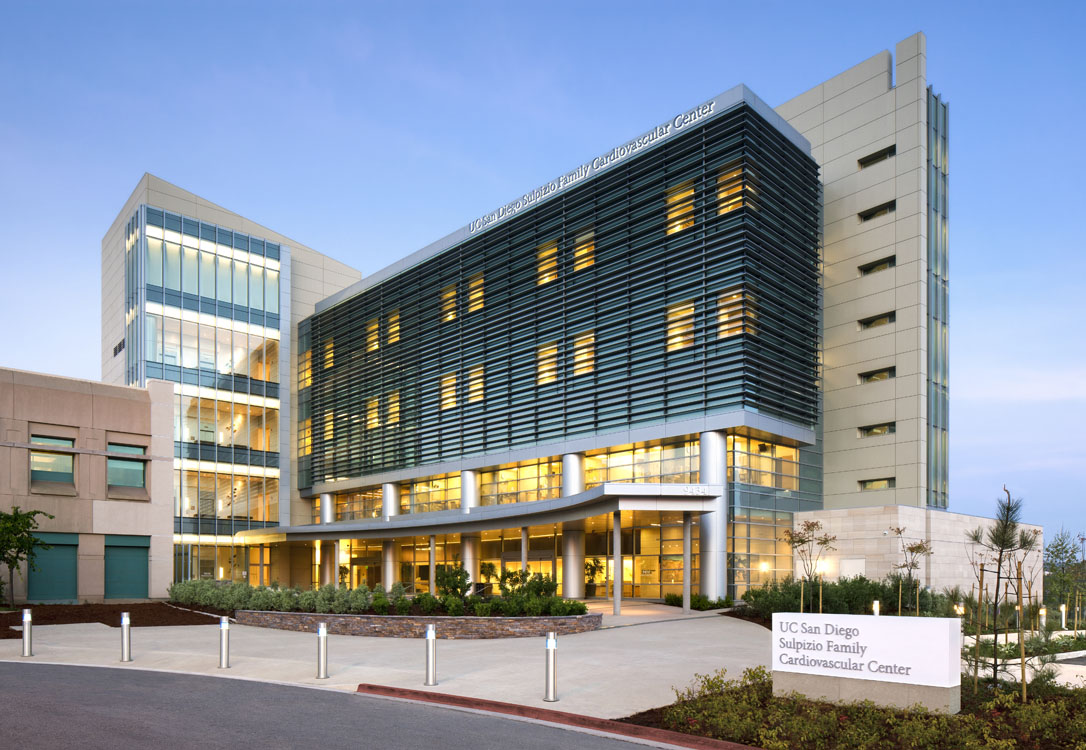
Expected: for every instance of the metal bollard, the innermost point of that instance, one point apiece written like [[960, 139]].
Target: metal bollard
[[126, 637], [28, 633], [550, 689], [224, 643], [322, 651], [431, 655]]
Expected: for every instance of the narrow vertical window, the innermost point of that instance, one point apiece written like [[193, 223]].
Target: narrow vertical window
[[475, 293], [476, 384], [394, 326], [448, 303], [373, 334], [329, 428], [680, 325], [373, 412], [584, 353], [680, 207], [584, 250], [448, 391], [329, 353], [305, 368], [394, 407], [547, 260], [734, 313], [546, 364], [733, 188], [305, 437]]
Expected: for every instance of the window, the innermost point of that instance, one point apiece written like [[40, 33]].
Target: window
[[448, 391], [373, 413], [448, 303], [52, 467], [547, 260], [878, 265], [874, 430], [476, 384], [329, 428], [394, 326], [877, 211], [680, 207], [733, 188], [475, 293], [876, 375], [394, 407], [734, 313], [546, 370], [584, 353], [584, 250], [305, 369], [329, 354], [125, 472], [305, 437], [887, 483], [880, 155], [680, 325], [878, 320], [373, 334]]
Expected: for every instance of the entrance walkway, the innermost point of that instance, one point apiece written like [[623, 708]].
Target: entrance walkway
[[609, 673]]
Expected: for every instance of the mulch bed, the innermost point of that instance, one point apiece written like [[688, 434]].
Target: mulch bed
[[765, 623], [141, 615]]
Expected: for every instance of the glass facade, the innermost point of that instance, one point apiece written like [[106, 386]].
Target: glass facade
[[938, 301]]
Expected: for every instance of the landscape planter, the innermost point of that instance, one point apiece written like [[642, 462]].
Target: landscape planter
[[410, 626]]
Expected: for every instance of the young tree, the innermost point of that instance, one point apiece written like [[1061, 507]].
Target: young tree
[[911, 553], [808, 545], [1061, 567], [18, 543]]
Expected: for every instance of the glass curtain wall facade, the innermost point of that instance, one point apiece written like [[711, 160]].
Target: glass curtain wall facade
[[204, 311], [938, 301]]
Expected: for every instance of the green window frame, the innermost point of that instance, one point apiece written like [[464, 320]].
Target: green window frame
[[123, 472], [49, 466]]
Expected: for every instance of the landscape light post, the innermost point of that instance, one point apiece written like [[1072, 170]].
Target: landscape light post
[[550, 689], [224, 643], [28, 633], [126, 637], [322, 651], [431, 656]]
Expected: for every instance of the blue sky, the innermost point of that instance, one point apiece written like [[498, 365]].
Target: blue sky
[[369, 130]]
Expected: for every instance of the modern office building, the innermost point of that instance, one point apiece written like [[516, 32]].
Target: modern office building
[[196, 295]]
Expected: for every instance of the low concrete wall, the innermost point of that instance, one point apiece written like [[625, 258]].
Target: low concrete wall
[[396, 626], [849, 689]]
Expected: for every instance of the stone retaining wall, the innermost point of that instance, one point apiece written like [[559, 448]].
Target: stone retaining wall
[[396, 626]]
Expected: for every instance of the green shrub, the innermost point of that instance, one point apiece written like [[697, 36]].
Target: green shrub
[[398, 598], [380, 603], [360, 599], [577, 608], [452, 579], [428, 603], [263, 599], [307, 601], [556, 607], [534, 606], [453, 604], [286, 600], [326, 594], [403, 607], [482, 609]]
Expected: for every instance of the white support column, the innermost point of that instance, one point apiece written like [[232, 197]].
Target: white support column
[[390, 499], [616, 561], [523, 547], [714, 524], [573, 559], [469, 490], [263, 576], [687, 572], [335, 563], [469, 554], [390, 563], [572, 474], [433, 565], [328, 563], [328, 507]]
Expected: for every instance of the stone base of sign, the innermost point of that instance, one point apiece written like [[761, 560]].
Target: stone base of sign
[[849, 689]]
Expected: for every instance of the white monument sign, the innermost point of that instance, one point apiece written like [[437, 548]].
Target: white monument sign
[[905, 650]]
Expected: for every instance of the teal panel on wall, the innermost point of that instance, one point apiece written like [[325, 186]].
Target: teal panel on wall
[[125, 540], [126, 572], [55, 578]]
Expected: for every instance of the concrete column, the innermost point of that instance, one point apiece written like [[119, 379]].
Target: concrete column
[[469, 554], [573, 559], [572, 474], [714, 524], [687, 544], [523, 547], [433, 565], [616, 561], [469, 491], [262, 575], [390, 563], [328, 563], [335, 563], [390, 499], [328, 507]]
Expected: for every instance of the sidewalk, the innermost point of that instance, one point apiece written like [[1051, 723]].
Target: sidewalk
[[630, 665]]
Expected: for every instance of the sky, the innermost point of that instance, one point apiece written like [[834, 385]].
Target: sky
[[368, 130]]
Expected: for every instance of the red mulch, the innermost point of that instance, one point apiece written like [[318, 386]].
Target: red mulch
[[141, 615]]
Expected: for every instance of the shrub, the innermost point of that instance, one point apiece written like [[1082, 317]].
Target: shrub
[[577, 608], [403, 607], [263, 599], [428, 603], [534, 606], [326, 594], [511, 606], [557, 607], [286, 600], [453, 604], [380, 603], [308, 601], [396, 593], [360, 599], [452, 579], [482, 609], [341, 602]]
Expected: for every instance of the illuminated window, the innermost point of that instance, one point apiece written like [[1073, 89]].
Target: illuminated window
[[584, 250], [876, 375], [734, 189], [680, 207], [329, 354], [394, 326], [329, 427], [476, 384], [475, 293], [373, 334], [448, 303], [734, 313], [546, 369], [441, 492], [527, 481], [305, 438], [680, 326], [877, 211], [394, 407], [874, 430], [373, 413], [875, 158], [547, 258], [887, 483], [305, 370], [584, 353], [878, 320], [448, 391], [667, 463], [879, 265]]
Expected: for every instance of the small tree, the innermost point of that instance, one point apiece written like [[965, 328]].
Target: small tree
[[1061, 567], [910, 556], [808, 545], [18, 543]]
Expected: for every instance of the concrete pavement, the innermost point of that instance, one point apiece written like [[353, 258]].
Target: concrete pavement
[[630, 665]]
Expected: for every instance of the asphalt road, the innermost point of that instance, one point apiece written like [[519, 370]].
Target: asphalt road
[[50, 706]]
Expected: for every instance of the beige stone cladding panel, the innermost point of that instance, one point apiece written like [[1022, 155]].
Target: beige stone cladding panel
[[91, 568]]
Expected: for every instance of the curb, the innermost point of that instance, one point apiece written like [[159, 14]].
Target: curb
[[607, 726]]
